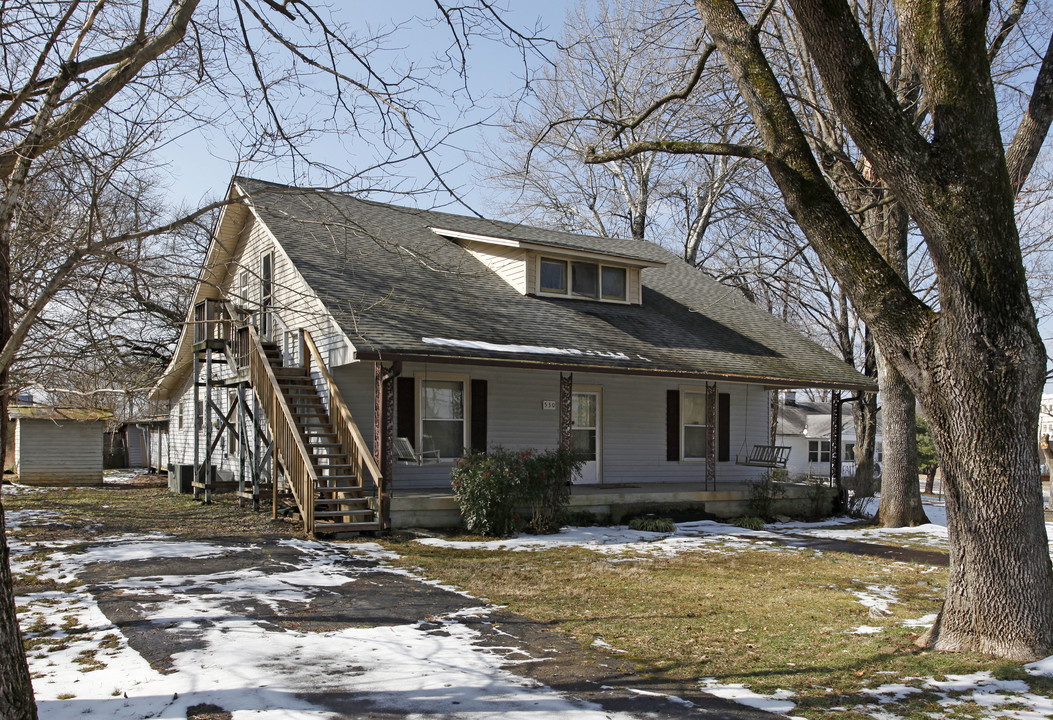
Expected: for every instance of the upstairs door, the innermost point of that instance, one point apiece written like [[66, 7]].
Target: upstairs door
[[585, 431]]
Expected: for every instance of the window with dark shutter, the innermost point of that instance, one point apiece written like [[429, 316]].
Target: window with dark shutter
[[724, 427]]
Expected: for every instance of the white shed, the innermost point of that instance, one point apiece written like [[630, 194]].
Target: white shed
[[58, 446]]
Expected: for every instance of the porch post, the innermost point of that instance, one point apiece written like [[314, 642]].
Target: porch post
[[566, 386], [384, 434], [711, 435], [835, 440]]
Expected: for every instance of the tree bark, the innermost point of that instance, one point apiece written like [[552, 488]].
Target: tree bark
[[978, 365], [901, 504], [16, 688]]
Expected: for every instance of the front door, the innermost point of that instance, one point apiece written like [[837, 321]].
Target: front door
[[585, 433]]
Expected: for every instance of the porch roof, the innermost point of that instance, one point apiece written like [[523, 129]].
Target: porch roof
[[399, 290]]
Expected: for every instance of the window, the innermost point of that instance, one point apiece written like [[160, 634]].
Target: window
[[585, 280], [442, 416], [850, 452], [613, 285], [180, 424], [819, 451], [243, 289], [232, 435], [553, 276], [200, 414], [581, 279], [693, 421]]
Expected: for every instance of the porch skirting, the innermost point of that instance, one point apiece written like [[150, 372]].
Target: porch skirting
[[437, 508]]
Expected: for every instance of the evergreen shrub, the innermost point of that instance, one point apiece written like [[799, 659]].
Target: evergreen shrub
[[492, 487]]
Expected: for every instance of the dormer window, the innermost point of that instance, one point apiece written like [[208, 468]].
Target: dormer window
[[563, 266], [587, 279], [553, 276]]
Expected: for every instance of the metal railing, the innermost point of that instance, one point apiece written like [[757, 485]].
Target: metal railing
[[348, 434]]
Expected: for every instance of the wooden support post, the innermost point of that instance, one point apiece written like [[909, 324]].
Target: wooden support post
[[242, 438], [208, 426], [257, 464], [197, 425]]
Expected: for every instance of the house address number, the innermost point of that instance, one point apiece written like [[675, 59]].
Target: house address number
[[548, 404]]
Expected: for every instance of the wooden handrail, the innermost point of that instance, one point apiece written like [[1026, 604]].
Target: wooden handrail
[[288, 444], [347, 431]]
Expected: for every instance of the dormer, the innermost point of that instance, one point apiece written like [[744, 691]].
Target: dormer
[[555, 269]]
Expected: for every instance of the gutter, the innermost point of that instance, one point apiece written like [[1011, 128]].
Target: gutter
[[769, 381]]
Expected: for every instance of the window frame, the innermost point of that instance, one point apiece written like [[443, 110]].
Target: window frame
[[466, 403], [684, 392], [568, 264], [821, 448], [566, 276]]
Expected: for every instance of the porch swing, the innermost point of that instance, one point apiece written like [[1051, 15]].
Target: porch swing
[[768, 456]]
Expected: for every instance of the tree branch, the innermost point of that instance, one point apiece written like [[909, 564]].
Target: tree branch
[[675, 147], [1034, 126]]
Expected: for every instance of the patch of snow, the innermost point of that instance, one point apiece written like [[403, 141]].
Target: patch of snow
[[865, 630], [1041, 667], [600, 643], [878, 597], [778, 702], [524, 349], [891, 692], [923, 622]]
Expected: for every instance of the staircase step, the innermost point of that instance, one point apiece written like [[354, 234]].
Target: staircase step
[[319, 514], [359, 503], [339, 488], [347, 527]]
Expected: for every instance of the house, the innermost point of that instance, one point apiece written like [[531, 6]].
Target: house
[[804, 427], [346, 352], [146, 440], [58, 445]]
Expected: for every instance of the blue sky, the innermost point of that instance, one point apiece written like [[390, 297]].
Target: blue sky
[[200, 163]]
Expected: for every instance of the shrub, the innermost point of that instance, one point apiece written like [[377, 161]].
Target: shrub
[[650, 523], [491, 486], [750, 522], [763, 494]]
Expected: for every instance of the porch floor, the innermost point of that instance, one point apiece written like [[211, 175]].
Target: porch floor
[[437, 507]]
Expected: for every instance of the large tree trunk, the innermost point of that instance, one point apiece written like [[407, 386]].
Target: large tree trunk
[[866, 425], [999, 587], [16, 688], [900, 492], [977, 365]]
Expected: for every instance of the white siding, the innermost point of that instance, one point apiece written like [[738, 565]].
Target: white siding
[[295, 303], [509, 263], [57, 452], [633, 421]]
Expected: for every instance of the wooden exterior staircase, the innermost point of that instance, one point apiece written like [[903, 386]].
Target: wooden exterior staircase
[[325, 460]]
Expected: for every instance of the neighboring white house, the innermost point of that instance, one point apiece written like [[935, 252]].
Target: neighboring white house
[[1045, 416], [58, 446], [372, 345], [147, 442], [804, 427]]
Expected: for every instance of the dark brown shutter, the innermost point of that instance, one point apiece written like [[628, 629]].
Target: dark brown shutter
[[406, 409], [478, 429], [672, 425], [724, 427]]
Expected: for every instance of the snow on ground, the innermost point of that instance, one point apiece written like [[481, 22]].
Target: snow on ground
[[250, 666], [122, 476]]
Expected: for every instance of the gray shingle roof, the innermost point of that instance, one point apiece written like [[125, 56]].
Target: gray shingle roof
[[390, 282]]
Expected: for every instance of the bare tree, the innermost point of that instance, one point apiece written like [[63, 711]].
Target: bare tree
[[80, 80], [976, 363]]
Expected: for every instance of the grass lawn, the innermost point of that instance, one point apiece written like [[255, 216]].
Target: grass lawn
[[768, 619], [722, 611]]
